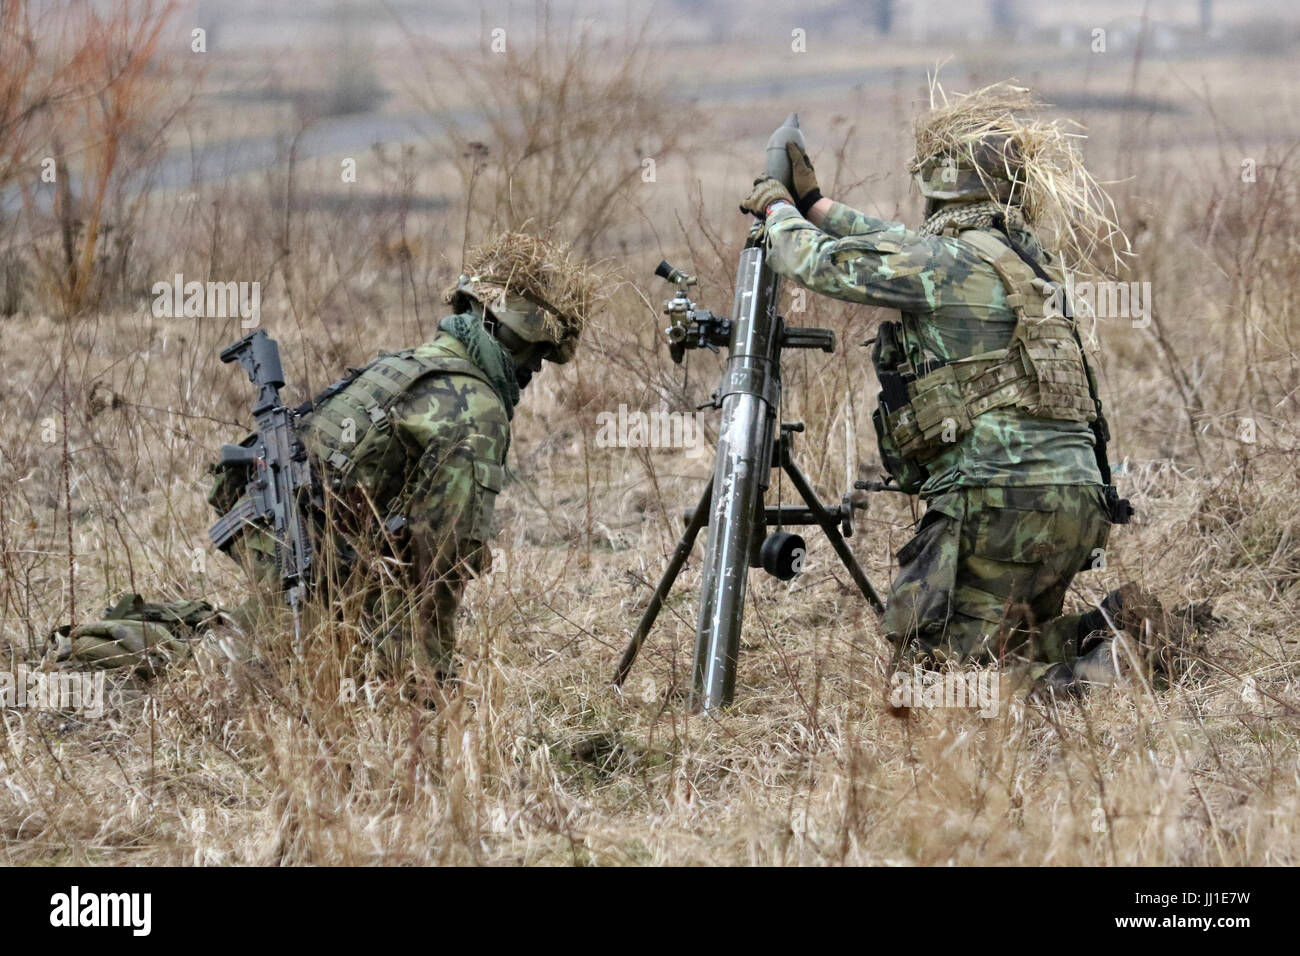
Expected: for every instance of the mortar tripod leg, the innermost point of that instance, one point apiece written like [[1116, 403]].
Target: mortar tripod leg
[[680, 554], [827, 523]]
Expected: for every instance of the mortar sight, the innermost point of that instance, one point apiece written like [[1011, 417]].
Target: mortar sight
[[673, 274]]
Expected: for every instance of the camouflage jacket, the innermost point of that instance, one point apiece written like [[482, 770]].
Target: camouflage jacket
[[953, 306], [438, 458]]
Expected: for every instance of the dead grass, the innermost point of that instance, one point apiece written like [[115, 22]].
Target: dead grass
[[537, 760]]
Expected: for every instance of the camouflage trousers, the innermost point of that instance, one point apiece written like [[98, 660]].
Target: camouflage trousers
[[404, 598], [985, 577], [413, 617]]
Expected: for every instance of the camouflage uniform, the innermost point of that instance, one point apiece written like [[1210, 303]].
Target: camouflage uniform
[[416, 480], [408, 457], [1014, 505]]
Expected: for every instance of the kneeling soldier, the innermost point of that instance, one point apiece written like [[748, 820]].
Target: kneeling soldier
[[988, 408]]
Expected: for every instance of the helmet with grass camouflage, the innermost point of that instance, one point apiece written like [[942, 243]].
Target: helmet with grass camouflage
[[525, 318], [993, 144], [533, 286], [989, 169]]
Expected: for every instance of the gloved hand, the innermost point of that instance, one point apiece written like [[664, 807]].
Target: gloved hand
[[806, 191], [765, 192]]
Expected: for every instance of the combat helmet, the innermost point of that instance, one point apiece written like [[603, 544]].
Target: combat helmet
[[532, 286], [993, 145], [989, 168], [517, 313]]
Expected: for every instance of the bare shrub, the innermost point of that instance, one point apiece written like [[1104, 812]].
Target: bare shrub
[[570, 123], [115, 98]]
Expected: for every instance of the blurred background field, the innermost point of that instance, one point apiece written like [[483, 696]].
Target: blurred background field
[[633, 131]]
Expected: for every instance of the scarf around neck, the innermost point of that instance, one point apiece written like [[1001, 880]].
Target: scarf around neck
[[487, 353], [971, 215]]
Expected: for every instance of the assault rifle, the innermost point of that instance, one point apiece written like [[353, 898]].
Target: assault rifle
[[750, 446], [280, 475]]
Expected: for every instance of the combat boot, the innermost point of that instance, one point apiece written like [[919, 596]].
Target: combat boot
[[1165, 643], [1097, 667]]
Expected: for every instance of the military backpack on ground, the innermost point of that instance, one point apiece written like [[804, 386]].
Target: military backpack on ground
[[136, 634]]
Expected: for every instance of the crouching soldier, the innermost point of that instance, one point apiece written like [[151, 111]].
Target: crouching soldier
[[988, 408], [411, 450]]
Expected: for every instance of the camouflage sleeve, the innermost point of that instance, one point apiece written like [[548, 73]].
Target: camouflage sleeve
[[442, 500], [884, 265], [841, 220]]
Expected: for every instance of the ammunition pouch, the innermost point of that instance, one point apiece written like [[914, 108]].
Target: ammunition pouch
[[907, 474], [893, 418], [1058, 383]]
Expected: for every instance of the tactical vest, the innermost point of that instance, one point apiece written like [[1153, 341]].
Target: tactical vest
[[924, 411], [350, 417], [349, 423]]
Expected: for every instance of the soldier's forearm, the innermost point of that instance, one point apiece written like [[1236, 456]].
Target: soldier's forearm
[[852, 268], [797, 250], [841, 220], [818, 211]]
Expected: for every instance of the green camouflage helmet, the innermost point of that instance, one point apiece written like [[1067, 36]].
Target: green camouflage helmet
[[988, 170], [525, 318]]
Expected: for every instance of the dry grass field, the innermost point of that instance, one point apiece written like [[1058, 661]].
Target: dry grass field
[[110, 416]]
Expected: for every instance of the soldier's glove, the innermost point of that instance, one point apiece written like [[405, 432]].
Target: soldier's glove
[[765, 192], [806, 191]]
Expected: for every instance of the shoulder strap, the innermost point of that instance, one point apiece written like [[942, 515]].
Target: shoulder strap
[[1121, 511], [450, 364], [1027, 285]]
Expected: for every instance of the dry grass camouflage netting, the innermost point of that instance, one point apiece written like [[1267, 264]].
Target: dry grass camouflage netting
[[1060, 197], [546, 272]]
